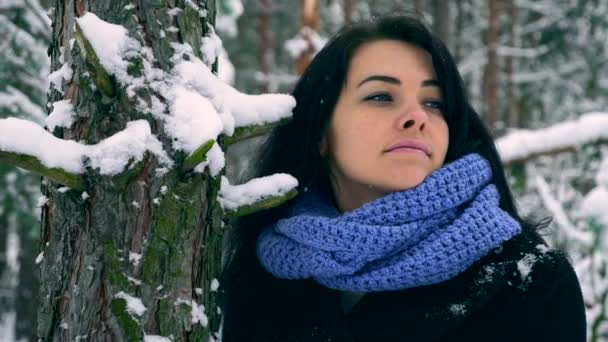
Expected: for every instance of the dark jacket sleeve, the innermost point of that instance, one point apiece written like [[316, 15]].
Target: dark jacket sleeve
[[557, 310]]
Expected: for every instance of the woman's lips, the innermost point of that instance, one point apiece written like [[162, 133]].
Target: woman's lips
[[408, 150], [410, 146]]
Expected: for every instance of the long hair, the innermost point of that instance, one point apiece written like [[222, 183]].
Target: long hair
[[294, 148]]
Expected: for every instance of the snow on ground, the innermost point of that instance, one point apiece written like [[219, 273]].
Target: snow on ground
[[234, 196]]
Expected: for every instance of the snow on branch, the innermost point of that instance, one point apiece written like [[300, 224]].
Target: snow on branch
[[246, 110], [246, 132], [103, 46], [552, 204], [257, 194], [15, 100], [198, 156], [523, 145], [193, 104], [27, 145]]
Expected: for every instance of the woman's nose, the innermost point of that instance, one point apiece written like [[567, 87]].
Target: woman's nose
[[413, 117]]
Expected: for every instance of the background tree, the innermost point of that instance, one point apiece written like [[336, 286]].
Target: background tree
[[24, 67]]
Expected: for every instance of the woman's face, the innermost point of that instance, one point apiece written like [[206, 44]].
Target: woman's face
[[387, 132]]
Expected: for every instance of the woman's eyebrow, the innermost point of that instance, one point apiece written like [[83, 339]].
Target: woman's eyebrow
[[430, 83], [394, 80], [381, 78]]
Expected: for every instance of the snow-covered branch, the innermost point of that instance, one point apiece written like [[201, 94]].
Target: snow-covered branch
[[246, 132], [523, 145], [198, 156], [27, 145], [34, 165], [100, 75], [553, 205], [257, 194]]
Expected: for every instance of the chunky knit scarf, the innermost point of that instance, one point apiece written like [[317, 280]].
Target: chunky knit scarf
[[421, 236]]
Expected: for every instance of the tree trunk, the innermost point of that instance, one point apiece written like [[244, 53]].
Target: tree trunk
[[419, 7], [28, 280], [513, 112], [442, 20], [310, 22], [459, 28], [490, 79], [265, 46], [147, 233], [349, 10], [25, 35]]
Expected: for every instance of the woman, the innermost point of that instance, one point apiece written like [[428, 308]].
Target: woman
[[404, 229]]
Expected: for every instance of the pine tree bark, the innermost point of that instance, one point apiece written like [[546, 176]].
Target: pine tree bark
[[91, 242]]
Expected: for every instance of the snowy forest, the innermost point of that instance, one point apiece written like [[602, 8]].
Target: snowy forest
[[125, 85]]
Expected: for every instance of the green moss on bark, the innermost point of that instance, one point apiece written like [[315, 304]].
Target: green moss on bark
[[130, 327]]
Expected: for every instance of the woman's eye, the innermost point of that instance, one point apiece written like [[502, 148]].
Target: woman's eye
[[379, 97], [434, 104]]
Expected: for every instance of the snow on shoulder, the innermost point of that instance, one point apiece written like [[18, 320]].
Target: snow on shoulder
[[234, 196]]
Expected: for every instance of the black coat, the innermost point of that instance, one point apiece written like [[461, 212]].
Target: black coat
[[519, 292]]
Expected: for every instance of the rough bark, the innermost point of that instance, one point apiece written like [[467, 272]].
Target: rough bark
[[87, 241]]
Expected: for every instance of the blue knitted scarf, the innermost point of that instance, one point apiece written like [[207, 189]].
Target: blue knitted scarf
[[421, 236]]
